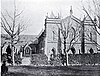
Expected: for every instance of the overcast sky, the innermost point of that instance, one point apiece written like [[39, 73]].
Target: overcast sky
[[36, 10]]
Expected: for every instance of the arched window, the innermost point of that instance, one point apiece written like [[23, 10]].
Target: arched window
[[72, 33], [90, 36], [54, 35], [27, 49]]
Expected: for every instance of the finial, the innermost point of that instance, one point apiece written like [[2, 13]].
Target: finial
[[52, 15], [58, 15], [71, 11], [47, 15]]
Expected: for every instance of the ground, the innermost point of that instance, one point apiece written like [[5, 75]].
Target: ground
[[54, 71]]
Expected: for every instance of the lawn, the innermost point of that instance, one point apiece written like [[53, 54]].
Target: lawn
[[54, 71]]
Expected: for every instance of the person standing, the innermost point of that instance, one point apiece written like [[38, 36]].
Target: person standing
[[8, 50], [4, 69], [9, 57]]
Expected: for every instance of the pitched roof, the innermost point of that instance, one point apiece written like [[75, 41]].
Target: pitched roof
[[23, 39]]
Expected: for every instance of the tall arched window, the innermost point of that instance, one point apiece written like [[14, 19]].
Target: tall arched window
[[72, 33], [90, 36], [54, 35]]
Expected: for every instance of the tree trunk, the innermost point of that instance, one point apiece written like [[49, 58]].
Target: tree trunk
[[67, 59], [12, 48], [65, 50], [82, 41]]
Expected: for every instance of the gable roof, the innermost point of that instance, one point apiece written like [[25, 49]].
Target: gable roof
[[23, 39]]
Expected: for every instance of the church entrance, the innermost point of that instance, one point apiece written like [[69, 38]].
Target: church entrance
[[27, 52]]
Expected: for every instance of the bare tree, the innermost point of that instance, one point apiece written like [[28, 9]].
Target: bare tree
[[88, 38], [94, 12], [13, 26], [2, 46], [82, 24], [67, 30]]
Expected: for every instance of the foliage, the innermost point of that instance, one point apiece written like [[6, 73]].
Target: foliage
[[4, 57], [57, 60], [9, 59], [39, 59], [18, 60], [84, 59], [13, 25], [94, 12]]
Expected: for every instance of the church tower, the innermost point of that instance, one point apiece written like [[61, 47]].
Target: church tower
[[52, 31]]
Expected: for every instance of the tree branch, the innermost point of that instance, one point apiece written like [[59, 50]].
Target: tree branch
[[9, 15], [94, 24], [19, 14], [4, 26], [6, 22]]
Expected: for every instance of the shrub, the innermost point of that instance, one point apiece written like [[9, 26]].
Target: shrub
[[39, 59], [18, 60], [84, 58]]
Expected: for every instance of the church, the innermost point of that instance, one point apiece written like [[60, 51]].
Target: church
[[51, 39], [54, 38]]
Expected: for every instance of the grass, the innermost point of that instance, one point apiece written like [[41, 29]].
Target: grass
[[54, 71]]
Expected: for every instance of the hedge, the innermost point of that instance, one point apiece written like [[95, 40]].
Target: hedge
[[84, 58]]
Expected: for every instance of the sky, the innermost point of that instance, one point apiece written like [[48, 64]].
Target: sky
[[35, 11]]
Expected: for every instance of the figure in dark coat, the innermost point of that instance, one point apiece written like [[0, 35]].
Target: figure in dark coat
[[9, 57], [4, 68], [8, 50]]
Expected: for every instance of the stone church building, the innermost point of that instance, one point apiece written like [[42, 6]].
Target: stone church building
[[54, 38], [51, 38]]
